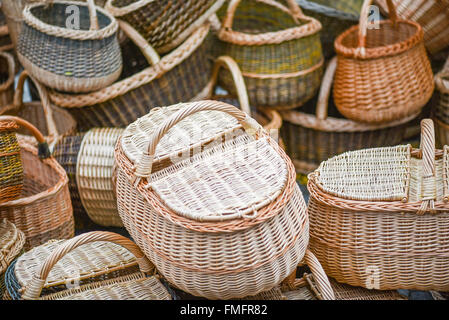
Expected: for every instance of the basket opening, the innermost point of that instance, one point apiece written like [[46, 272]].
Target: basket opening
[[38, 176], [385, 36], [55, 15]]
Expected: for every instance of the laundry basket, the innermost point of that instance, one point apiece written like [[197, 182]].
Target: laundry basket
[[379, 217]]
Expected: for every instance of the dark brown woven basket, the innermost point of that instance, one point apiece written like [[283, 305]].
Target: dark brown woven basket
[[181, 75]]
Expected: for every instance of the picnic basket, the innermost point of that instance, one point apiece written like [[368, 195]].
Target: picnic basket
[[432, 15], [181, 75], [164, 24], [11, 245], [382, 74], [278, 50], [317, 132], [441, 108], [7, 73], [52, 121], [379, 216], [44, 210], [249, 243], [91, 58], [95, 265]]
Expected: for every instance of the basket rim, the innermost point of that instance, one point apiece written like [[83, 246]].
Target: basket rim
[[379, 51], [8, 125], [73, 34], [121, 11], [327, 11]]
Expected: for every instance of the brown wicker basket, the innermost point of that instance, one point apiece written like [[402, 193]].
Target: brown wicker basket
[[52, 121], [181, 75], [7, 73], [313, 138], [432, 15], [44, 210], [382, 74], [379, 217], [278, 50]]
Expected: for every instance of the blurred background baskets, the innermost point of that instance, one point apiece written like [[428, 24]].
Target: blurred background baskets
[[7, 73], [441, 108]]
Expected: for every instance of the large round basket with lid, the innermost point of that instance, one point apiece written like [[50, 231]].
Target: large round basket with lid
[[380, 217], [211, 199]]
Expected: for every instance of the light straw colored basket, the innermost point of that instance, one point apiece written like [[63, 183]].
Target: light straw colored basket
[[312, 136], [226, 219], [382, 74], [379, 217]]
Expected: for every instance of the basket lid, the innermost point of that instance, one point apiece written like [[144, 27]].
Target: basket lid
[[88, 261]]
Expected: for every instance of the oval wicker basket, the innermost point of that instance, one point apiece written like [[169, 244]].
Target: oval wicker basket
[[52, 121], [92, 266], [7, 73], [278, 50], [44, 210], [432, 15], [171, 22], [313, 138], [92, 58], [258, 230], [181, 75], [379, 216], [383, 74]]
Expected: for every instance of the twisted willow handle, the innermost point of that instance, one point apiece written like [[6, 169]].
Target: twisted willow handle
[[34, 287]]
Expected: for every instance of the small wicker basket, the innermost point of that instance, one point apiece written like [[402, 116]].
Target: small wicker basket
[[379, 217], [278, 50], [91, 58], [383, 74]]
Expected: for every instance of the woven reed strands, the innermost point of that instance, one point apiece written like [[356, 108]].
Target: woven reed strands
[[52, 121], [181, 75], [335, 17], [256, 233], [44, 210], [383, 74], [278, 50], [379, 216], [312, 136], [12, 241], [91, 255], [432, 15], [441, 109], [91, 58], [7, 73], [164, 24]]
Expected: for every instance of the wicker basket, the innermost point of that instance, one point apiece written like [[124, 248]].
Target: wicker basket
[[313, 138], [44, 210], [278, 50], [164, 24], [335, 17], [11, 245], [52, 121], [92, 59], [7, 73], [94, 265], [432, 15], [181, 75], [217, 158], [383, 74], [379, 217], [441, 109]]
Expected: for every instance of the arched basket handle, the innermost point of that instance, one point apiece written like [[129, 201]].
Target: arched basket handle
[[325, 90], [34, 287]]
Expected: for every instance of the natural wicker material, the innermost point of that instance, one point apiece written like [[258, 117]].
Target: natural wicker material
[[52, 121], [311, 136], [164, 24], [278, 50], [7, 73], [44, 210], [5, 39], [71, 60], [94, 176], [335, 17], [379, 216], [382, 74], [181, 75], [432, 15], [441, 109], [235, 224]]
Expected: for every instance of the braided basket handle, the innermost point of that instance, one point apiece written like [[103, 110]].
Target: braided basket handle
[[230, 64], [363, 22], [427, 151], [43, 149], [34, 287], [93, 15], [325, 90], [145, 163]]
